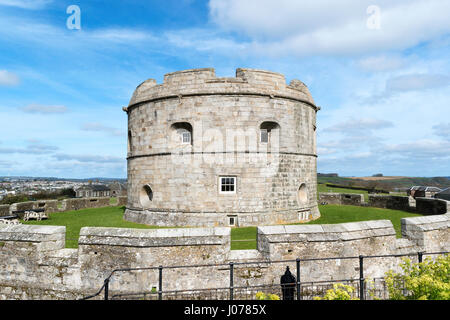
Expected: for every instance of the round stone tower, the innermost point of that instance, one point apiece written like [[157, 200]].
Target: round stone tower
[[208, 151]]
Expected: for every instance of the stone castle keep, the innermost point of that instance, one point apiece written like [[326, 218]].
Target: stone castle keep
[[208, 151]]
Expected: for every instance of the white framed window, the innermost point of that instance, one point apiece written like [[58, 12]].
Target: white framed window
[[264, 135], [186, 137], [227, 185]]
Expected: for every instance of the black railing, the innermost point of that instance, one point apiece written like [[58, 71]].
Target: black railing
[[304, 290]]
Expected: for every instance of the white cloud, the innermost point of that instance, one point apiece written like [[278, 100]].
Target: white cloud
[[25, 4], [381, 63], [89, 158], [8, 78], [331, 27], [98, 127], [423, 148], [442, 130], [363, 125], [37, 108], [413, 82]]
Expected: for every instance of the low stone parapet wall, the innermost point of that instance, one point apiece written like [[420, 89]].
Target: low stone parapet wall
[[352, 199], [60, 205], [431, 206], [390, 202], [4, 210], [430, 232], [35, 265]]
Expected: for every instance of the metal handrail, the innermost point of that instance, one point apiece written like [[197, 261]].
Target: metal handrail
[[231, 265]]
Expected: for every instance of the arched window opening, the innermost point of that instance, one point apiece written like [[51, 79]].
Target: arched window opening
[[182, 133], [302, 194], [146, 196], [130, 145], [268, 130]]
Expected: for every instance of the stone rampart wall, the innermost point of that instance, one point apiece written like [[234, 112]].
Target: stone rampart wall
[[430, 206], [341, 198], [59, 206], [35, 265], [4, 210]]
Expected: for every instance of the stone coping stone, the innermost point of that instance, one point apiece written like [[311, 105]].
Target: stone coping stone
[[154, 237], [245, 255], [427, 223], [327, 232], [32, 233]]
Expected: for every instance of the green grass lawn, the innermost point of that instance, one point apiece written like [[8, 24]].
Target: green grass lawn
[[98, 217], [342, 214], [241, 238]]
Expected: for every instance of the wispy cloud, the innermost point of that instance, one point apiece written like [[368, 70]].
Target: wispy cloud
[[25, 4], [381, 63], [415, 82], [89, 158], [37, 108], [34, 147], [442, 130], [98, 127], [8, 78], [363, 125], [331, 27]]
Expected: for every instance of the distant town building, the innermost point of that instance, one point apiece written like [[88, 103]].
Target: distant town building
[[118, 189], [444, 194], [423, 191], [93, 190]]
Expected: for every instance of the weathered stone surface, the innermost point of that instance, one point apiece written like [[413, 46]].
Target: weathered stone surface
[[4, 210], [341, 198], [35, 265], [184, 179], [431, 206]]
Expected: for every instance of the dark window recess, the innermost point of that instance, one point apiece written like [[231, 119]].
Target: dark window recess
[[227, 184]]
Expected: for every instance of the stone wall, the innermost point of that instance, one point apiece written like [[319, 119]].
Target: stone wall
[[341, 198], [35, 265], [83, 203], [4, 210], [432, 206], [60, 205], [389, 202]]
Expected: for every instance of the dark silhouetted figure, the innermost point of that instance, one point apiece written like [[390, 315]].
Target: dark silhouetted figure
[[288, 285]]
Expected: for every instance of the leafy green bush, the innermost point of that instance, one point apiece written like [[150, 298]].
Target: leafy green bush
[[266, 296], [428, 280], [339, 292]]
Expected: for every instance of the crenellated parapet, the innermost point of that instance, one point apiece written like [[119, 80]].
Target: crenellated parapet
[[204, 82], [35, 265]]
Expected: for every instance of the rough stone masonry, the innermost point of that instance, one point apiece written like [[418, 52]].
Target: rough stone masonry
[[208, 151]]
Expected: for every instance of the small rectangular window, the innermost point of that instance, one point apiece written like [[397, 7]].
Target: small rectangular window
[[227, 185], [186, 137], [264, 136]]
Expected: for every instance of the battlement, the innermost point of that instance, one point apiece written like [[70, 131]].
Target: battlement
[[204, 81], [35, 265]]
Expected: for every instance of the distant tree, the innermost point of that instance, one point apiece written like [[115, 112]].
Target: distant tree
[[10, 199]]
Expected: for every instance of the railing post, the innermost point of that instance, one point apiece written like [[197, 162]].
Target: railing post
[[420, 255], [106, 289], [298, 279], [231, 280], [160, 283], [361, 278]]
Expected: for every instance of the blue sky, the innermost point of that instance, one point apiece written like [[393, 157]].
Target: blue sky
[[380, 74]]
